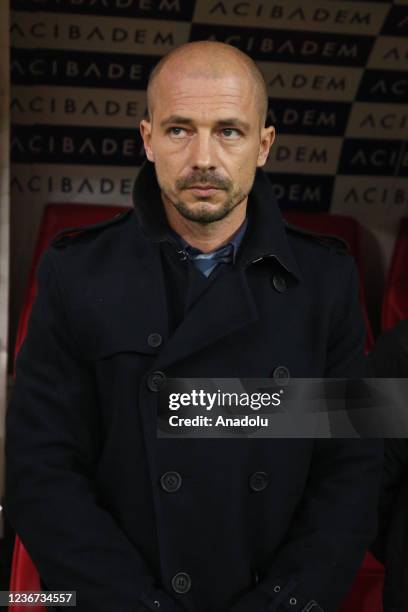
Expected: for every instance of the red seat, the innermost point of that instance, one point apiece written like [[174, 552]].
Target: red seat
[[395, 303], [24, 576], [349, 230], [365, 593]]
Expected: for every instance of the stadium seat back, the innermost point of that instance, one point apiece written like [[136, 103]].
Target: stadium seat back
[[395, 302]]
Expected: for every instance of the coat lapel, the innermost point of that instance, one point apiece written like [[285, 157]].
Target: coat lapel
[[126, 296], [226, 306]]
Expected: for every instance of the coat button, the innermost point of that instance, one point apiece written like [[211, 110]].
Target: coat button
[[181, 582], [171, 482], [154, 340], [155, 380], [258, 481], [281, 374], [279, 282]]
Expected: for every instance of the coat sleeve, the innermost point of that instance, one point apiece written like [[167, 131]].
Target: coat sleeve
[[336, 519], [51, 454]]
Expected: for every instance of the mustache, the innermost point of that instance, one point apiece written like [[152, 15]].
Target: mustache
[[205, 178]]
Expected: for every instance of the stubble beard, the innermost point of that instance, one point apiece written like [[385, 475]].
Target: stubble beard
[[195, 212]]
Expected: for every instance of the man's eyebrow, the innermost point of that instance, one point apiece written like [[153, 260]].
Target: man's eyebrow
[[233, 122], [176, 119], [228, 122]]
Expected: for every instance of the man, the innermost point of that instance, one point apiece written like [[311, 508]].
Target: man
[[201, 279], [389, 359]]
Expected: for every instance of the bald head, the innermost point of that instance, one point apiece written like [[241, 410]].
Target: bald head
[[213, 60]]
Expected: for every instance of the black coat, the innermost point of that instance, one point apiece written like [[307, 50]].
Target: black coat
[[389, 358], [88, 483]]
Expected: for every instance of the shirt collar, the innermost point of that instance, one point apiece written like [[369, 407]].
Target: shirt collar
[[235, 240]]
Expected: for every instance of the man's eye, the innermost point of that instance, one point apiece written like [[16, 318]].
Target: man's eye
[[231, 133], [177, 132]]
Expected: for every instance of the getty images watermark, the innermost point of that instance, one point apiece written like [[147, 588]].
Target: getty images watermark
[[221, 400], [305, 408]]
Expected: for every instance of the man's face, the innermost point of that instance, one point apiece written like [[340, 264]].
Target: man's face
[[206, 141]]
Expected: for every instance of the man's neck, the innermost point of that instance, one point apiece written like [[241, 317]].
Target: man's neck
[[209, 236]]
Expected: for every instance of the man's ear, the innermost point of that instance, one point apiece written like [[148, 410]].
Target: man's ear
[[146, 134], [267, 138]]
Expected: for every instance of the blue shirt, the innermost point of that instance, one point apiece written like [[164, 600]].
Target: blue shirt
[[207, 262]]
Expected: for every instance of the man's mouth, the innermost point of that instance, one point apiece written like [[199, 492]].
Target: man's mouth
[[203, 189]]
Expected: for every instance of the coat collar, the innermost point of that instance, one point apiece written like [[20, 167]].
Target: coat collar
[[226, 306], [265, 236]]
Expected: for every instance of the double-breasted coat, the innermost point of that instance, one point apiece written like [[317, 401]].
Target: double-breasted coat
[[134, 522]]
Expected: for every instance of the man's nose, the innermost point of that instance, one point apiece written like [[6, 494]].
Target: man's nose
[[202, 154]]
